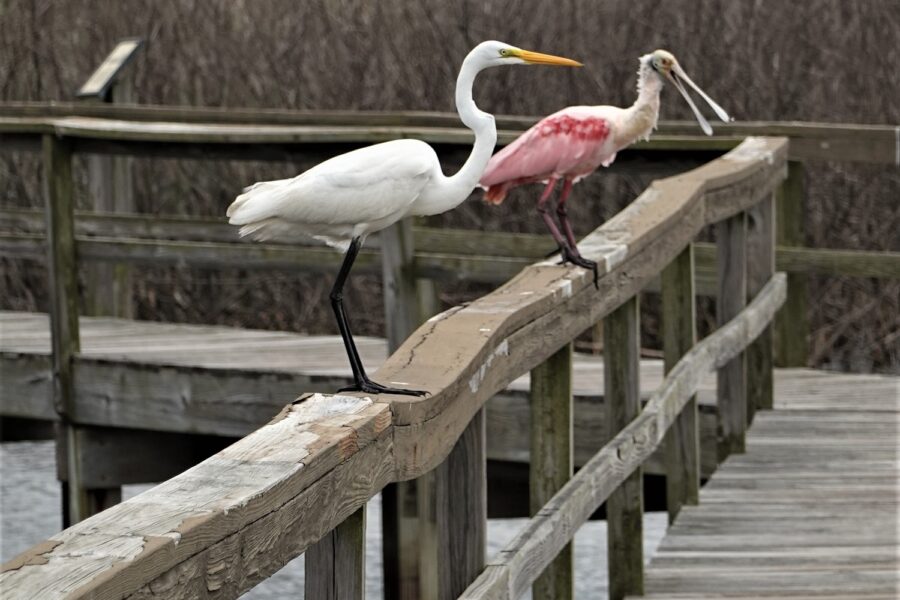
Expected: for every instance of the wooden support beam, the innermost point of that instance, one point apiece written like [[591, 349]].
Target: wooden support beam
[[400, 501], [552, 458], [731, 389], [63, 284], [453, 517], [760, 268], [336, 564], [625, 506], [792, 323], [682, 442]]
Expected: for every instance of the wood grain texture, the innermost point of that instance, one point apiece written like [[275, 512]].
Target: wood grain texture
[[453, 517], [682, 444], [336, 564], [509, 574], [731, 243], [232, 520], [760, 268], [552, 462], [64, 305], [625, 506], [792, 325], [778, 523]]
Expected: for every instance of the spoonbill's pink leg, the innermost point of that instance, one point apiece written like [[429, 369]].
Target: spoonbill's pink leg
[[567, 249]]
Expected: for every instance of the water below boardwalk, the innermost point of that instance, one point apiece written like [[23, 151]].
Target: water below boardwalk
[[29, 513]]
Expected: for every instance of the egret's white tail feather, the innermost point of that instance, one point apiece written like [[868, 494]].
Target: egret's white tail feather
[[257, 203]]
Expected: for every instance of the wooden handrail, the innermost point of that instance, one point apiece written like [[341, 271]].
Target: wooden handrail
[[237, 517], [514, 569], [809, 141]]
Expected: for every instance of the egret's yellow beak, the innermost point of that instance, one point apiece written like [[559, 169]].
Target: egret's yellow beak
[[536, 58]]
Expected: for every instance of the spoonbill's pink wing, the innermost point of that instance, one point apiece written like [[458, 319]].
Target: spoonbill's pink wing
[[566, 143]]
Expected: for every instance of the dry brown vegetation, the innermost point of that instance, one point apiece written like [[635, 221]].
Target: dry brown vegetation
[[825, 60]]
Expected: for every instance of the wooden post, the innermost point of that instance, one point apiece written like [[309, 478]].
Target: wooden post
[[63, 284], [336, 564], [682, 443], [760, 268], [108, 285], [552, 462], [401, 309], [408, 302], [792, 321], [731, 245], [404, 310], [453, 517], [625, 506], [400, 538]]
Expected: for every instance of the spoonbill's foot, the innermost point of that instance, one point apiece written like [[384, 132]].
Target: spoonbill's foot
[[368, 386], [572, 256]]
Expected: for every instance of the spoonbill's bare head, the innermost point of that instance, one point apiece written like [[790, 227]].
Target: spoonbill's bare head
[[666, 66]]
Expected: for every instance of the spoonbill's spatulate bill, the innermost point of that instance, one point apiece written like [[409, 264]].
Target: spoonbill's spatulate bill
[[345, 198], [571, 143]]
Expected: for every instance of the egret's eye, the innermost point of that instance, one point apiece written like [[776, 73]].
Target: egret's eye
[[504, 52]]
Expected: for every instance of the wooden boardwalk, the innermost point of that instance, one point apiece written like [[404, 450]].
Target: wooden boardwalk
[[811, 509]]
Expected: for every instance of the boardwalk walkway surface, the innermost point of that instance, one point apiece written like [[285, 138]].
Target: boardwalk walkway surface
[[809, 511]]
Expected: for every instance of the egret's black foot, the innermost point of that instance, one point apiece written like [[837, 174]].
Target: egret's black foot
[[572, 256], [368, 386]]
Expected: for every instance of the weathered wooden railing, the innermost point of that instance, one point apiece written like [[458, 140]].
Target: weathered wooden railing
[[299, 483]]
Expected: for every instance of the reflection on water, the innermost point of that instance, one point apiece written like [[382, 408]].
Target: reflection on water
[[29, 513]]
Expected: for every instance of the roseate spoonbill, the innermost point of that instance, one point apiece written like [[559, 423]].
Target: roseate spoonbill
[[571, 143], [345, 198]]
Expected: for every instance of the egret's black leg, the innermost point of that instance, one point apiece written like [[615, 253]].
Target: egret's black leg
[[362, 383], [574, 256]]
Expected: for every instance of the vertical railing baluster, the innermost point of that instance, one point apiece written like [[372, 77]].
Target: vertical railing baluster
[[682, 442], [552, 464], [625, 506], [336, 564], [792, 321], [760, 268], [731, 246]]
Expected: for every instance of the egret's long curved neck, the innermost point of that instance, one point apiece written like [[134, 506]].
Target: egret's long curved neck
[[452, 191], [640, 118], [480, 122]]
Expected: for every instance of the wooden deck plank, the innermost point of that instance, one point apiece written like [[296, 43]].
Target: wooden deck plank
[[810, 511]]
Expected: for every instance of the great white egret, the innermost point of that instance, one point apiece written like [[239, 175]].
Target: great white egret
[[345, 198], [571, 143]]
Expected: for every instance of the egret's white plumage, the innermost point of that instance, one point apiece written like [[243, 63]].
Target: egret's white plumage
[[348, 196], [343, 199]]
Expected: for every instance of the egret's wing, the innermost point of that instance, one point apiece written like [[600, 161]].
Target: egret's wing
[[361, 186]]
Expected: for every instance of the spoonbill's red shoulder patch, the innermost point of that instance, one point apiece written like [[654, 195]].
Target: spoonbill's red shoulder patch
[[588, 128]]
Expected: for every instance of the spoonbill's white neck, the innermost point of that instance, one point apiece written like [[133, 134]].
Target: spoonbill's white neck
[[641, 117]]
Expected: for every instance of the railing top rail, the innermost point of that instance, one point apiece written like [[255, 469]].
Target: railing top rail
[[240, 515], [190, 133], [809, 141]]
